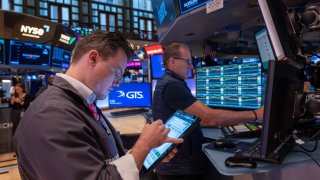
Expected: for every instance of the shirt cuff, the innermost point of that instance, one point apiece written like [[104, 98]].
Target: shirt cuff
[[127, 168]]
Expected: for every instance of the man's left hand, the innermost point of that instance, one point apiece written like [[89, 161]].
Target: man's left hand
[[170, 155]]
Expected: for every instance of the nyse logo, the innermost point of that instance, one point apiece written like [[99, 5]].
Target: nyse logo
[[34, 32], [131, 94]]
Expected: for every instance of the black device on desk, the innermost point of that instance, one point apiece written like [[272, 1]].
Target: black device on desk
[[248, 129], [284, 81], [276, 140], [235, 161], [129, 112]]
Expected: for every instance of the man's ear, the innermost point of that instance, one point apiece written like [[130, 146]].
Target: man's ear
[[93, 56], [172, 61]]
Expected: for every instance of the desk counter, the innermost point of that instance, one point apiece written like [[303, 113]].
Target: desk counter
[[296, 165]]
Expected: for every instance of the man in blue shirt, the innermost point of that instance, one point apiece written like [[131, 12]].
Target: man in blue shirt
[[172, 93]]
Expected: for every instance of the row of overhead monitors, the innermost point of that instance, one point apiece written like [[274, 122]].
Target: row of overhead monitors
[[29, 41], [21, 53]]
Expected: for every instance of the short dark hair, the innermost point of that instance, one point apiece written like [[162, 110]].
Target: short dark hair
[[106, 43], [173, 50]]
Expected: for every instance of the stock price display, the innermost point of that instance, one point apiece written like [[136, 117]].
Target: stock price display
[[232, 86]]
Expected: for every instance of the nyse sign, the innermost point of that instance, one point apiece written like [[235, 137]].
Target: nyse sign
[[34, 32]]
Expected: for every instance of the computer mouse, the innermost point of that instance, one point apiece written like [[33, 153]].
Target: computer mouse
[[240, 162], [222, 143]]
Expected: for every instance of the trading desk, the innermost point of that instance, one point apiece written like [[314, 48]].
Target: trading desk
[[127, 125], [296, 166]]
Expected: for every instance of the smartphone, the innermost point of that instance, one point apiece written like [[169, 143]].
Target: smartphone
[[180, 125]]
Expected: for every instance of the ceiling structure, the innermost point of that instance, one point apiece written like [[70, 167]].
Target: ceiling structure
[[229, 30]]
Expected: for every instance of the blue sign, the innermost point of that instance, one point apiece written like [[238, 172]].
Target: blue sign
[[188, 5], [131, 95], [164, 15]]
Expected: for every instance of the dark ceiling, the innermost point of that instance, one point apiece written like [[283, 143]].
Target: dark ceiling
[[229, 30]]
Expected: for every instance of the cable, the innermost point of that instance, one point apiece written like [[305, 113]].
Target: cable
[[313, 136], [312, 150], [308, 155]]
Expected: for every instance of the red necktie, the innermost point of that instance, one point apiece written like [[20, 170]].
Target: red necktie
[[93, 111]]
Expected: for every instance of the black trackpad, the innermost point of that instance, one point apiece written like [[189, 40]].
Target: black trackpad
[[227, 145], [240, 162]]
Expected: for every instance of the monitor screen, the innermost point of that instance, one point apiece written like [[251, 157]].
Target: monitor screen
[[164, 15], [230, 86], [264, 46], [315, 59], [2, 51], [61, 58], [187, 5], [30, 54], [131, 95], [157, 67]]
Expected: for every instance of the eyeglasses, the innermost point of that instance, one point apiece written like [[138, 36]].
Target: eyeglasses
[[117, 75], [189, 61]]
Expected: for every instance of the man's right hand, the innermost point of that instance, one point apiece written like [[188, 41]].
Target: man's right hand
[[155, 134]]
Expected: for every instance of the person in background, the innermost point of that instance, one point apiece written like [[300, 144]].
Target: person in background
[[64, 135], [19, 102], [43, 88], [172, 93]]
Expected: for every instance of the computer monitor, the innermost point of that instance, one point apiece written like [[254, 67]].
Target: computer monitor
[[2, 51], [131, 95], [102, 104], [61, 58], [236, 86], [29, 54], [283, 36], [264, 47], [315, 59], [157, 67], [283, 82]]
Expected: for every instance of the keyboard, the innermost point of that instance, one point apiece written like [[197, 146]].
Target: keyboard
[[129, 112], [276, 156], [249, 129]]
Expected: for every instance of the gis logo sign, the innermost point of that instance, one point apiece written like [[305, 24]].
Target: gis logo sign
[[34, 32], [131, 94]]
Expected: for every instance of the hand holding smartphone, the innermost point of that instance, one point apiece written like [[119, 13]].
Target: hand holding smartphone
[[180, 125]]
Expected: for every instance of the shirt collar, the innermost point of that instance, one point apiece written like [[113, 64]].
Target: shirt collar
[[168, 71], [83, 90]]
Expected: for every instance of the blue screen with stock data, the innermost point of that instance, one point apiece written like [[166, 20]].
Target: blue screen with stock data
[[131, 95], [231, 86]]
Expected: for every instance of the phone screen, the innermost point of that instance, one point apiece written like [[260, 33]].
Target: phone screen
[[178, 124]]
